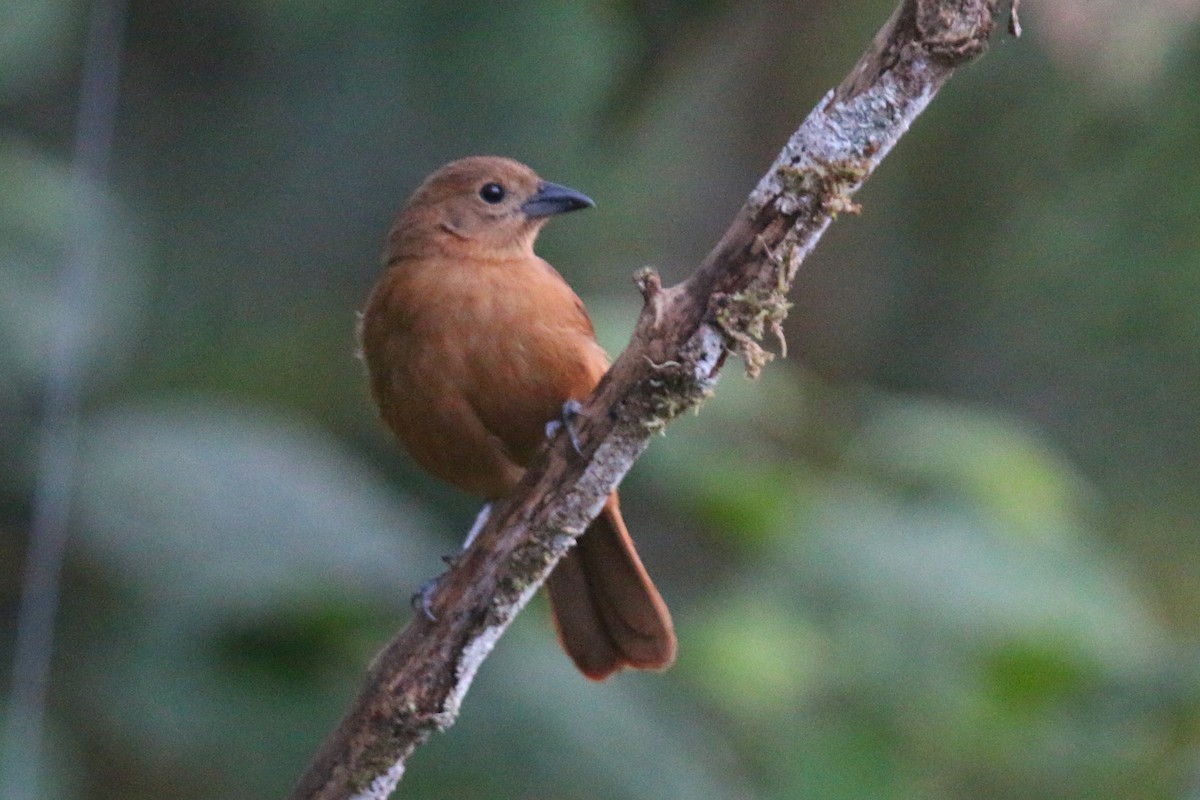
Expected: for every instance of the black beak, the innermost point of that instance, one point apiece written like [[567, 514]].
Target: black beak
[[550, 199]]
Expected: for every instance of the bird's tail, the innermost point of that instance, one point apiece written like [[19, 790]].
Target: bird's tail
[[606, 609]]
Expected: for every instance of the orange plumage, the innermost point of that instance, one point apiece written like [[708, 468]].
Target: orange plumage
[[473, 343]]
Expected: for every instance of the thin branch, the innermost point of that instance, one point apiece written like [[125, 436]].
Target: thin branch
[[21, 744], [738, 296]]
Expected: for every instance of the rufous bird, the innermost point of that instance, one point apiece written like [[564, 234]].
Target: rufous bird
[[473, 344]]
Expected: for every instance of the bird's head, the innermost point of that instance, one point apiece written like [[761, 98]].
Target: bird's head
[[495, 205]]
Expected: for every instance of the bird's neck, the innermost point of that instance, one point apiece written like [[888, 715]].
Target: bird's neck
[[409, 241], [449, 244]]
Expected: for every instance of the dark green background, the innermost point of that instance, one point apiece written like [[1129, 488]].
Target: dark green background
[[945, 550]]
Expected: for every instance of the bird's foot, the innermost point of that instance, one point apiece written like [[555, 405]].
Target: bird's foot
[[422, 599], [568, 415]]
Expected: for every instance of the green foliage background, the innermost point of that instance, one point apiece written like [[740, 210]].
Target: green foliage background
[[945, 550]]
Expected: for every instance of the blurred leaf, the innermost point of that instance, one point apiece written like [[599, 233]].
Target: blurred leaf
[[963, 575], [213, 506], [755, 657], [1032, 674], [35, 225], [946, 613], [992, 460], [263, 565]]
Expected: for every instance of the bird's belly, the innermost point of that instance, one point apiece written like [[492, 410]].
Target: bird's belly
[[519, 382], [472, 406], [468, 378]]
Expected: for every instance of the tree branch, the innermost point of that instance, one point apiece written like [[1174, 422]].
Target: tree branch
[[416, 684]]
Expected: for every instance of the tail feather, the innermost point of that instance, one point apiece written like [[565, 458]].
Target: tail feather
[[606, 609]]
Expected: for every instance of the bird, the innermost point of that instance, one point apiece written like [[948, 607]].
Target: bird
[[472, 345]]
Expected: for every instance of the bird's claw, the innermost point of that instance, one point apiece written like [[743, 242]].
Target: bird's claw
[[422, 599], [570, 412]]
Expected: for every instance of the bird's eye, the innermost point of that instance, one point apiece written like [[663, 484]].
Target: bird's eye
[[492, 193]]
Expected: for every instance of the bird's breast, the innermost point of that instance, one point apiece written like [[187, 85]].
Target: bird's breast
[[510, 339]]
